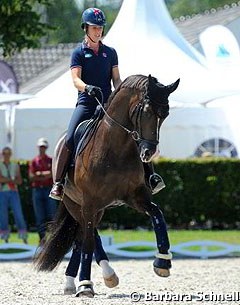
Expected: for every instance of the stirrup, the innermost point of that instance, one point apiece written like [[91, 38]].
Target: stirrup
[[156, 183], [57, 191]]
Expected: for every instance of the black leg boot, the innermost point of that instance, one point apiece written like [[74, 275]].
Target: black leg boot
[[62, 164], [153, 180]]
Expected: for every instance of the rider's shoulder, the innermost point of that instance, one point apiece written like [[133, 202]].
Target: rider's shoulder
[[79, 48], [109, 49]]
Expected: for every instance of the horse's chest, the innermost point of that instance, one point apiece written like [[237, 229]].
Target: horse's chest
[[116, 165]]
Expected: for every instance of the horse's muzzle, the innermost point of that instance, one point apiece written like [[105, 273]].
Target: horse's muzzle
[[147, 150]]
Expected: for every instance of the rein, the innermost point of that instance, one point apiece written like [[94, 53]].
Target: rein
[[134, 133]]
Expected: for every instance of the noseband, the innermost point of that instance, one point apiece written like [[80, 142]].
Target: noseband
[[138, 109]]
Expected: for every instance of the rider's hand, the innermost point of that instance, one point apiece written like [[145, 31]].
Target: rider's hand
[[92, 90]]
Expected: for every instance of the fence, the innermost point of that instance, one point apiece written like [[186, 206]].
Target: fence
[[197, 249]]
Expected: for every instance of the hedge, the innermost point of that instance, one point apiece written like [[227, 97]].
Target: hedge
[[204, 191], [201, 192]]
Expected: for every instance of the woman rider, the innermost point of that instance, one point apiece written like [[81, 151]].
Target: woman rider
[[93, 66]]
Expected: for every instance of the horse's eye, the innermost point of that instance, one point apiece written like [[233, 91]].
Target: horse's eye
[[163, 111]]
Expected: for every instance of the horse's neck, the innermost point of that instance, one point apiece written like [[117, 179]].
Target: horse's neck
[[118, 110]]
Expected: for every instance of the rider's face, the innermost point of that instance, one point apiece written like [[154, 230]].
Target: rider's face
[[95, 32]]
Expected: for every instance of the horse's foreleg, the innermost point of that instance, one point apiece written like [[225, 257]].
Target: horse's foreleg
[[110, 278], [162, 263], [85, 287]]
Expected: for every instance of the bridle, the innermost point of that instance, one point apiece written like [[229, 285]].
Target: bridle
[[137, 111]]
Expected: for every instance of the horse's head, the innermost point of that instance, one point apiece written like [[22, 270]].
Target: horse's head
[[149, 115]]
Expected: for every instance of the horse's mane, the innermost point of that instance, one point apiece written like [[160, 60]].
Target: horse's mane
[[139, 82]]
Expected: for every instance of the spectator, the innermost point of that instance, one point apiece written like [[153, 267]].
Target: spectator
[[40, 174], [10, 178]]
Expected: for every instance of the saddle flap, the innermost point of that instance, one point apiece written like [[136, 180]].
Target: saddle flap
[[83, 135]]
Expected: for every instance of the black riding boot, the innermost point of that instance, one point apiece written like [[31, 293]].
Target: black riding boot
[[153, 180], [62, 164]]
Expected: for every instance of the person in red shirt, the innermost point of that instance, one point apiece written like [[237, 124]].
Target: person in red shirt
[[40, 174]]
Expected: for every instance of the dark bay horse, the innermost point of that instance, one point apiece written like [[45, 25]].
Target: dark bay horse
[[110, 172]]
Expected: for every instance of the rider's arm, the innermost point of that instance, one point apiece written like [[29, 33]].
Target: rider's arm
[[116, 77], [4, 179], [47, 174], [76, 73], [18, 177], [34, 174]]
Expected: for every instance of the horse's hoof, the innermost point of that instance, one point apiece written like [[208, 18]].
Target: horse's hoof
[[69, 290], [161, 266], [111, 281], [85, 289], [161, 272]]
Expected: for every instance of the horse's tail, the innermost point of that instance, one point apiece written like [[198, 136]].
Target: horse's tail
[[61, 236]]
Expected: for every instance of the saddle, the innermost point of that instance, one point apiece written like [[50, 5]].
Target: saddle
[[84, 132]]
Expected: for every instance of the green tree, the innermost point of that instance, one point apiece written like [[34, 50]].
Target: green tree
[[189, 7], [65, 17], [21, 24]]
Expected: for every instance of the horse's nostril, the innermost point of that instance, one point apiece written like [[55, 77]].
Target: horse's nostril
[[147, 153]]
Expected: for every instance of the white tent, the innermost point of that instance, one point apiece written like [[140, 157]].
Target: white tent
[[47, 115], [187, 128], [147, 41], [8, 101], [220, 46], [59, 94], [32, 124]]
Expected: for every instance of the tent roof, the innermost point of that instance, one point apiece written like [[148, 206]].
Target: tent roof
[[59, 94], [148, 42], [10, 98], [192, 26]]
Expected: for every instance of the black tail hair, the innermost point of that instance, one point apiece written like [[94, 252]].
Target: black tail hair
[[61, 236]]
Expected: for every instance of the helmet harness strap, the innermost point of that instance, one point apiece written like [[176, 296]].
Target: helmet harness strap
[[86, 27]]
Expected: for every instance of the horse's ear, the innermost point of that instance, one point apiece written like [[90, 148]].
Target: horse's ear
[[150, 79], [173, 86]]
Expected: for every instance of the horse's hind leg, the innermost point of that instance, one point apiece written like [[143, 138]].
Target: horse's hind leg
[[85, 287], [85, 249], [110, 278], [72, 269]]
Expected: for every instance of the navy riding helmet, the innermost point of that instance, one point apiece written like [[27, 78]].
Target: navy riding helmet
[[93, 16]]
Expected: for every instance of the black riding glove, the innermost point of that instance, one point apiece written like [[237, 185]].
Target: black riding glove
[[92, 90]]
